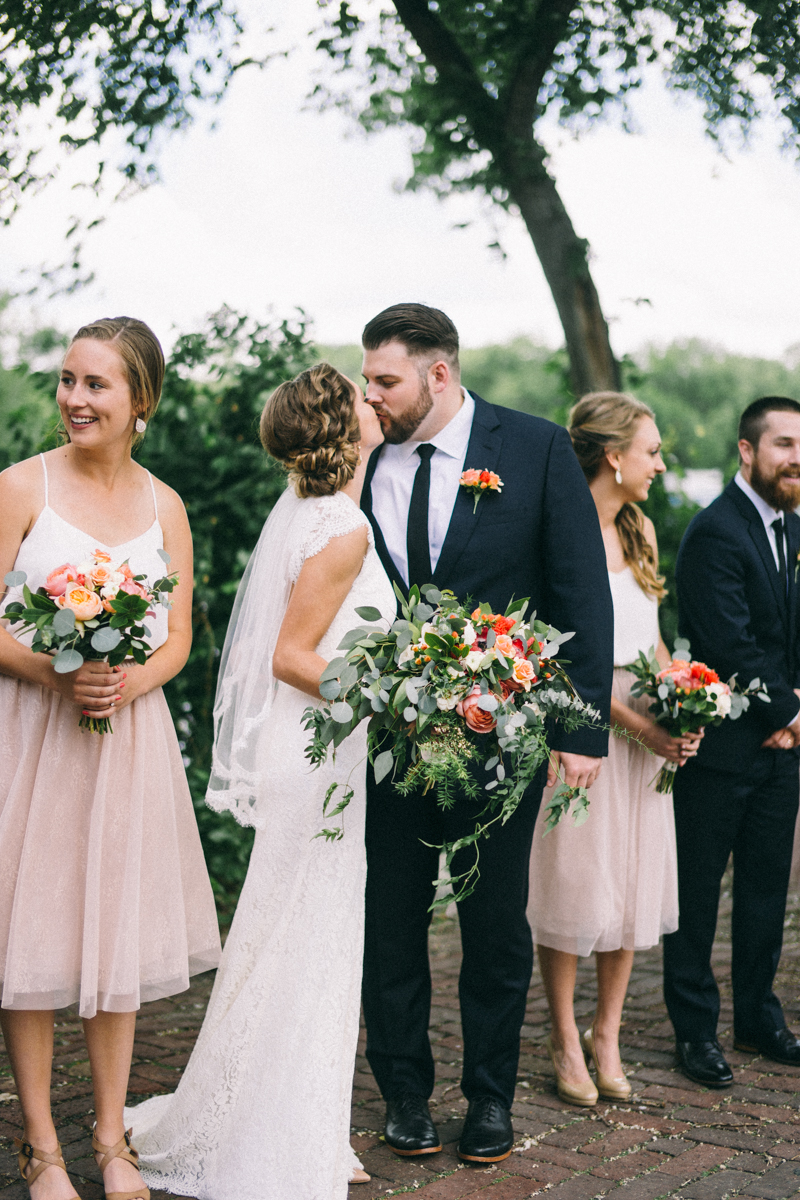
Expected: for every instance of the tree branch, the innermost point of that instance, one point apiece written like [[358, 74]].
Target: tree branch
[[535, 54], [443, 53]]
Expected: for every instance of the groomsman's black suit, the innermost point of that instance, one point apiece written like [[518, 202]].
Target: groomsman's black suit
[[735, 796], [540, 538]]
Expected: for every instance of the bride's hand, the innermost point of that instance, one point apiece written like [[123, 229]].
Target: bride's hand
[[95, 687], [673, 749]]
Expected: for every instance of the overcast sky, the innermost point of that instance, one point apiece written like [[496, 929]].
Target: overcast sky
[[277, 207]]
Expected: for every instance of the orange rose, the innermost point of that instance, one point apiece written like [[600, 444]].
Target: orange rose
[[101, 576], [477, 719], [100, 556], [504, 645], [524, 673], [84, 604]]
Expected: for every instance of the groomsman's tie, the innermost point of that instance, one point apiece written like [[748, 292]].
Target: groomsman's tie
[[777, 529], [417, 547]]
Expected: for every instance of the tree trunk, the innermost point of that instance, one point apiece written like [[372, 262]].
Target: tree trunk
[[563, 256]]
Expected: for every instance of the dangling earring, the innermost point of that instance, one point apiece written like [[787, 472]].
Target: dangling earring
[[618, 475], [141, 425], [360, 460]]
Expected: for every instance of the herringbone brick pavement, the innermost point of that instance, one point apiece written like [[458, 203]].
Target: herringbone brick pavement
[[673, 1139]]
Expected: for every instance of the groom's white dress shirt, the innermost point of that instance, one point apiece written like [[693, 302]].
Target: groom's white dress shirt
[[767, 514], [393, 482]]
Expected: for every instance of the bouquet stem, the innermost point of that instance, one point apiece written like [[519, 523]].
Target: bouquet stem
[[666, 778], [95, 725]]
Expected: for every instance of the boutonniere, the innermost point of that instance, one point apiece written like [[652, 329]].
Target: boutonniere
[[797, 566], [478, 482]]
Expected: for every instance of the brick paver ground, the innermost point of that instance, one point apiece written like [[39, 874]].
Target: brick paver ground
[[672, 1139]]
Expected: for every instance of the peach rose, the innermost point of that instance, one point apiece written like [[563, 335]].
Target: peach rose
[[84, 604], [100, 556], [504, 645], [125, 570], [524, 673], [477, 719], [57, 580], [101, 576], [470, 478]]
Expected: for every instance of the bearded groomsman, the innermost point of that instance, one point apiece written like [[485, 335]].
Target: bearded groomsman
[[738, 606], [539, 537]]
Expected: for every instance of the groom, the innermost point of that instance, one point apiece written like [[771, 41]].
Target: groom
[[540, 538]]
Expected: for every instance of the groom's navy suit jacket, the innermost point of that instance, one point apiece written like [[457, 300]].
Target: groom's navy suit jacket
[[539, 537], [734, 610]]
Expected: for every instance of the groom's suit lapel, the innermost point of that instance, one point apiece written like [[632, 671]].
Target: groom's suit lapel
[[759, 537], [483, 452], [366, 508]]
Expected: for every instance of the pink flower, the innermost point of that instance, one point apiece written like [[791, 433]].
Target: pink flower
[[470, 478], [504, 645], [58, 579], [476, 718]]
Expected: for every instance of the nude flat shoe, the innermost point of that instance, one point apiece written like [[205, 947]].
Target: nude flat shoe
[[584, 1095], [360, 1176], [609, 1087]]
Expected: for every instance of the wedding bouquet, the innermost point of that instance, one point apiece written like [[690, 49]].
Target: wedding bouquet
[[90, 612], [687, 696], [445, 688]]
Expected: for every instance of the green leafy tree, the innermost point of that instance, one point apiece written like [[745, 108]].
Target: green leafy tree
[[474, 79]]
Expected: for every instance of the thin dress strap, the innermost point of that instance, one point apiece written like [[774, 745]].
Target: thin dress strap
[[153, 490], [44, 468]]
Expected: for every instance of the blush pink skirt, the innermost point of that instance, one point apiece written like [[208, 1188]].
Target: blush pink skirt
[[105, 899], [611, 883]]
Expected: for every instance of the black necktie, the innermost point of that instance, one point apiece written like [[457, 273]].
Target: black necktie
[[417, 548], [777, 529]]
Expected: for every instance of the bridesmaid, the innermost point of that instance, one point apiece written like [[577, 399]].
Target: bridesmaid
[[104, 896], [609, 887]]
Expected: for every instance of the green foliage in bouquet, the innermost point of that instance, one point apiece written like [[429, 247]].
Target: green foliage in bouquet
[[442, 690]]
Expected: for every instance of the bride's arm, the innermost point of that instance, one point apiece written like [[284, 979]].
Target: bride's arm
[[320, 591]]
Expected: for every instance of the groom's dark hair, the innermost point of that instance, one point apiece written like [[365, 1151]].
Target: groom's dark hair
[[753, 420], [422, 330]]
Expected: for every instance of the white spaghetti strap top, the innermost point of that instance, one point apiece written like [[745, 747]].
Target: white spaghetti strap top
[[47, 489]]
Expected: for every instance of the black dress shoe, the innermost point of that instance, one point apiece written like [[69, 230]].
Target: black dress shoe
[[488, 1134], [705, 1063], [779, 1046], [409, 1129]]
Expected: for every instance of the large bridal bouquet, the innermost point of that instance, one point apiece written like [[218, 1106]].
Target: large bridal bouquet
[[687, 696], [90, 612], [446, 688]]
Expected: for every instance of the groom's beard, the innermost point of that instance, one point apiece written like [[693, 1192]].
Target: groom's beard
[[400, 427], [781, 490]]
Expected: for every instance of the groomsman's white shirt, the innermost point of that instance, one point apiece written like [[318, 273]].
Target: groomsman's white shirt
[[767, 514], [393, 482]]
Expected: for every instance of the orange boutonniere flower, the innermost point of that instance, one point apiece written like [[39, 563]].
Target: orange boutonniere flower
[[478, 482]]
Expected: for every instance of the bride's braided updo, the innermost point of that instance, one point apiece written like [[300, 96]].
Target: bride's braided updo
[[310, 425]]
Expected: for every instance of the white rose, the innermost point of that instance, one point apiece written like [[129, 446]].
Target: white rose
[[469, 635], [109, 591], [535, 709], [722, 698], [473, 660], [427, 628], [407, 654], [445, 703]]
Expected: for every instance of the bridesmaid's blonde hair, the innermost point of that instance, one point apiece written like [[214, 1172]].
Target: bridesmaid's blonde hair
[[310, 425], [603, 421], [142, 360]]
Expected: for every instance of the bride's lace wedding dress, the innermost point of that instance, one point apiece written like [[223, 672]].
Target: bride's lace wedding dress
[[262, 1111]]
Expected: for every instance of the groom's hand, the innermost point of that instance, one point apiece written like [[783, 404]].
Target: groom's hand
[[577, 770]]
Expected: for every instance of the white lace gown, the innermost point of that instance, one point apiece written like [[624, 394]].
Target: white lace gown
[[262, 1111]]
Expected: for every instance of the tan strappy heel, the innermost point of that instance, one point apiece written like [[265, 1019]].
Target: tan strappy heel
[[123, 1149], [27, 1153]]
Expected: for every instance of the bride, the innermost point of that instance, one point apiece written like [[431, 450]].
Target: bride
[[262, 1111]]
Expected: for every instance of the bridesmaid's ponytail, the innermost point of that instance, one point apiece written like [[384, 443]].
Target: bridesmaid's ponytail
[[605, 421]]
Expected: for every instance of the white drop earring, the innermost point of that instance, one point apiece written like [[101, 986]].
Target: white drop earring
[[618, 475], [141, 425]]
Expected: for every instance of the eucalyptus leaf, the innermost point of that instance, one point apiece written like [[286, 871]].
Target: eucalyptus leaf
[[383, 765], [409, 714], [162, 554], [488, 702], [63, 622], [334, 667], [368, 613], [106, 639], [66, 661], [341, 713], [329, 689], [15, 578]]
